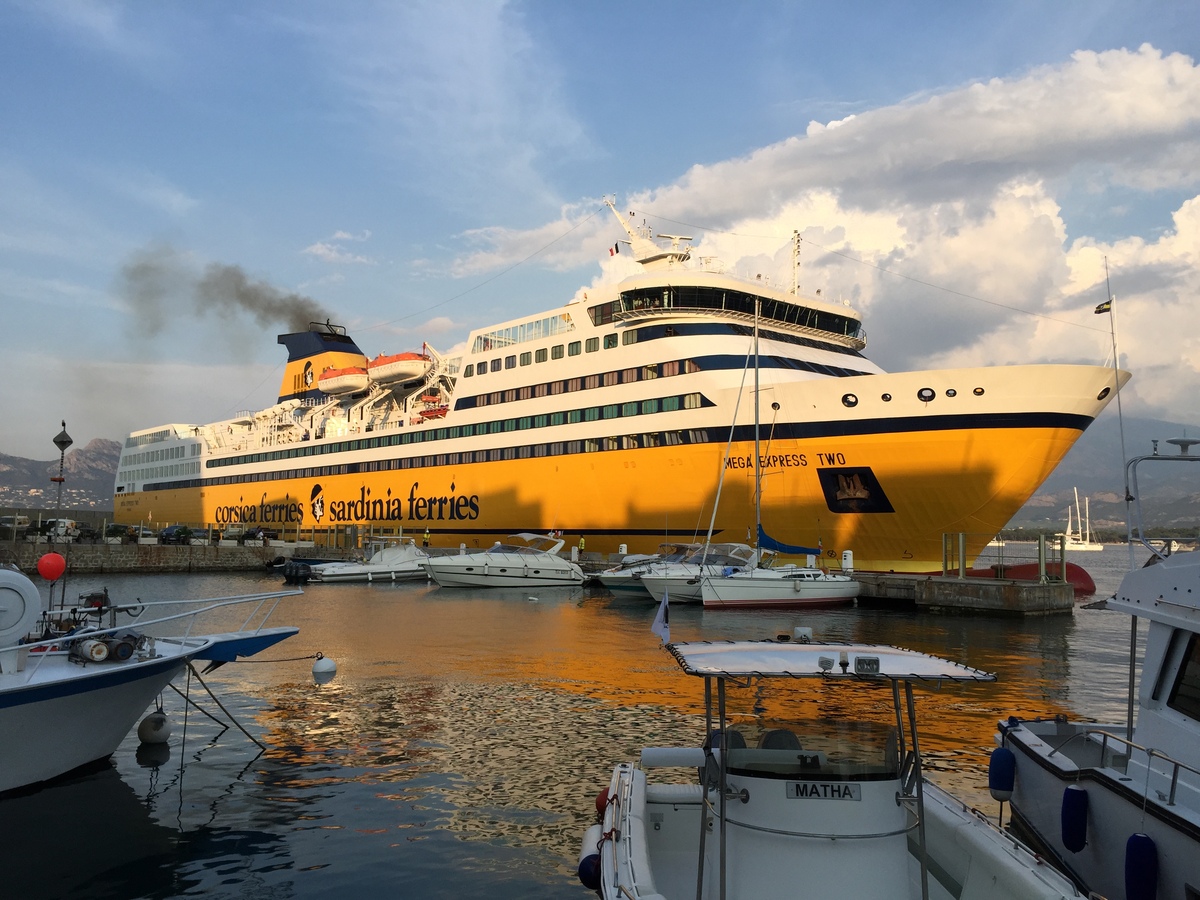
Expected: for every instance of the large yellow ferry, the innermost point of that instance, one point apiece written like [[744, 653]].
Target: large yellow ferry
[[613, 419]]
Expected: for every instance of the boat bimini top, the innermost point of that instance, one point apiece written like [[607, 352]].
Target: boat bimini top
[[802, 659]]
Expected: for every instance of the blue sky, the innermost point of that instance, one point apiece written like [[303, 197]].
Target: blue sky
[[960, 173]]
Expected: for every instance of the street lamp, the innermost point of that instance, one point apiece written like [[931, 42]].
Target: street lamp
[[62, 441]]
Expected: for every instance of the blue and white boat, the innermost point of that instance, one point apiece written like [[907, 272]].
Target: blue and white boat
[[72, 687], [1118, 805]]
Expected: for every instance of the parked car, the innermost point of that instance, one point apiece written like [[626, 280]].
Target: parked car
[[141, 532], [118, 534], [87, 534], [175, 534], [13, 527]]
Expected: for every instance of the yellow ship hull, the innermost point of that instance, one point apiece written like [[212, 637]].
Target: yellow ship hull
[[888, 487]]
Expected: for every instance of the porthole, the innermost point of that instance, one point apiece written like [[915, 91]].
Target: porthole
[[926, 394], [978, 392], [951, 392], [886, 398], [849, 400], [1104, 393]]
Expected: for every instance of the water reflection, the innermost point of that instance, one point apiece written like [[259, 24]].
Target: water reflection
[[458, 749]]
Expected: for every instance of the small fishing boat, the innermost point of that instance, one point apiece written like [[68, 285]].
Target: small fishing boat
[[388, 561], [72, 686], [348, 380], [398, 368], [535, 563], [1118, 805], [775, 807]]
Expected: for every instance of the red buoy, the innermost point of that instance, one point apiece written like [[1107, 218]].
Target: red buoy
[[51, 566]]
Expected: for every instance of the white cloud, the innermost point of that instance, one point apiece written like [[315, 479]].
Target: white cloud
[[941, 220], [332, 253]]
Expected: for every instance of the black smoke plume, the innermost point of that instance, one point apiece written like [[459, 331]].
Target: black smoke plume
[[159, 282]]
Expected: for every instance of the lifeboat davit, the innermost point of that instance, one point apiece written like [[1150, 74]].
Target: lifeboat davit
[[398, 368], [343, 381]]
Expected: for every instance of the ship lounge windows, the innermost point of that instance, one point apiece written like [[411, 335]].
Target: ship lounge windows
[[592, 345], [495, 364], [610, 341], [526, 358], [468, 370], [540, 355], [556, 352], [510, 362], [574, 348]]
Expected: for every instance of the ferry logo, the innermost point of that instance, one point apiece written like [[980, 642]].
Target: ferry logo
[[308, 374], [317, 501]]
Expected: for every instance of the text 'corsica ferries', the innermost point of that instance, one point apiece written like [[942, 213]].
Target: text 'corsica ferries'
[[609, 418]]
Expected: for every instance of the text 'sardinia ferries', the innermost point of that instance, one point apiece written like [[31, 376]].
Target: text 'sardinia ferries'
[[608, 418]]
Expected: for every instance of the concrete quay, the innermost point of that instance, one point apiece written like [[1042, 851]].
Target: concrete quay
[[225, 556], [949, 594]]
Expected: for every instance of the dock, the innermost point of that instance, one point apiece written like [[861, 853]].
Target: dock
[[950, 594]]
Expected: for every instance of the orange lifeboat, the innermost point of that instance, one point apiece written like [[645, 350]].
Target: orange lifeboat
[[349, 380], [398, 367]]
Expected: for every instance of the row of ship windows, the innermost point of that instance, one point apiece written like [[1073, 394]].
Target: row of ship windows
[[526, 451], [558, 351], [586, 382], [497, 426], [647, 372], [191, 468], [160, 455]]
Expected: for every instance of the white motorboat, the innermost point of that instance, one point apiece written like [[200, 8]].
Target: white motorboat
[[828, 808], [680, 581], [388, 561], [787, 586], [68, 698], [535, 563], [627, 577], [1118, 805]]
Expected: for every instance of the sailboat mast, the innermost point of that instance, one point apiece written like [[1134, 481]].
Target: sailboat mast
[[757, 467]]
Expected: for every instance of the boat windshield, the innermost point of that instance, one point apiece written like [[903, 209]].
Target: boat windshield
[[721, 555], [819, 750]]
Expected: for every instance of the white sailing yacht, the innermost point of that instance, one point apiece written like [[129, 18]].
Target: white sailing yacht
[[783, 586], [1081, 537]]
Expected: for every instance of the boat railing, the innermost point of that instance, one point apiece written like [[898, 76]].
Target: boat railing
[[42, 649], [1116, 757]]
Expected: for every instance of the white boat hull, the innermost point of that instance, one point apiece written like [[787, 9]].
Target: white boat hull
[[485, 575], [831, 848], [778, 588], [1116, 808], [396, 562], [51, 728]]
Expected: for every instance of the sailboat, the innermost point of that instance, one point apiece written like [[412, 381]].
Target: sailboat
[[1082, 538], [781, 586]]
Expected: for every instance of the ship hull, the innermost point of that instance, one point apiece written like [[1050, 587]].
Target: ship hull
[[884, 478]]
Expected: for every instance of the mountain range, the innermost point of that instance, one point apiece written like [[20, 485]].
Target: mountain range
[[1170, 495]]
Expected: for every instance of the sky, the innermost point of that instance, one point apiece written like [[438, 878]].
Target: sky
[[182, 182]]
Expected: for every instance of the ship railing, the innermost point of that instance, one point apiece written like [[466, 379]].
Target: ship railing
[[1118, 760], [856, 342]]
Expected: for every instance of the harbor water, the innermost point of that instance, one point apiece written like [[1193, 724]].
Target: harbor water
[[459, 749]]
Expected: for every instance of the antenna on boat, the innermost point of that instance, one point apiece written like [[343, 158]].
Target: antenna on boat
[[645, 251]]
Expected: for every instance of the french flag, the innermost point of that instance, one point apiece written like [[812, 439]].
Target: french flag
[[614, 249]]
